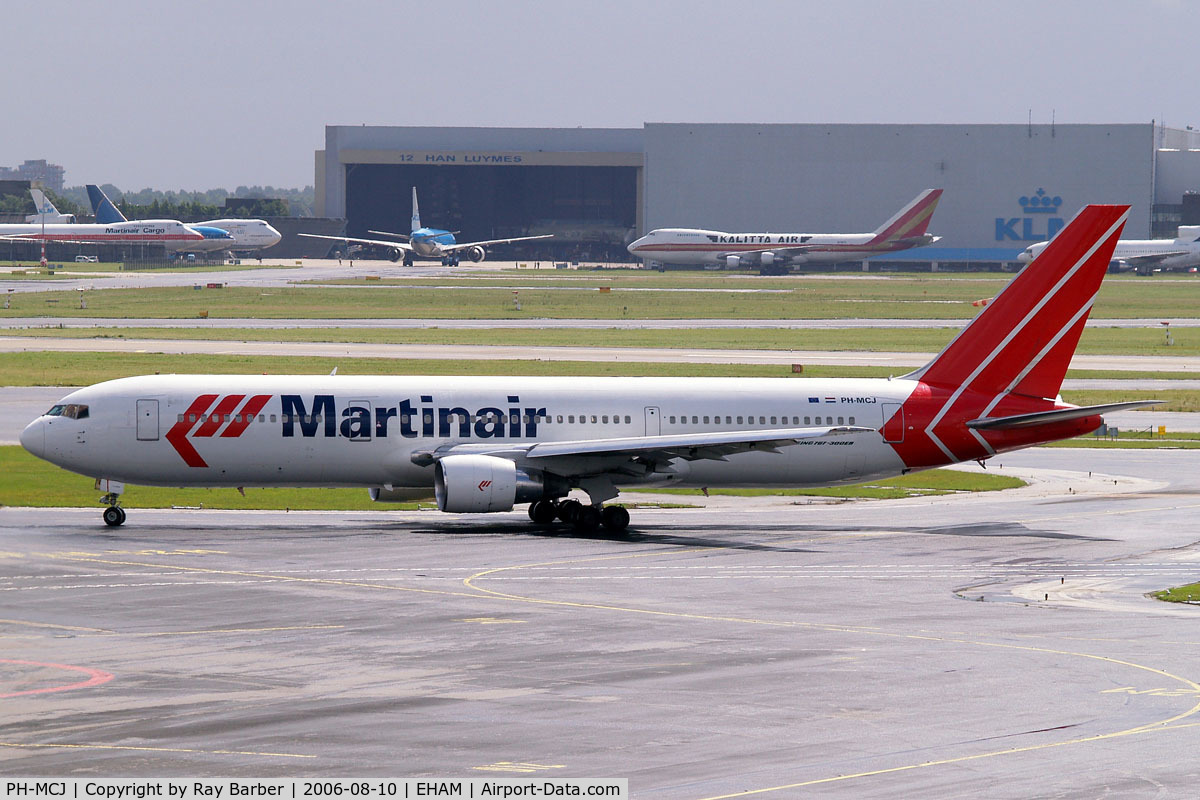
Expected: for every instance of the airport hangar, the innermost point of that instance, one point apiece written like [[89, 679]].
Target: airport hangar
[[596, 189]]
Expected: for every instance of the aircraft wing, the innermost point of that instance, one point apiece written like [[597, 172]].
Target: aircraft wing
[[51, 237], [353, 240], [1151, 259], [591, 456], [460, 245]]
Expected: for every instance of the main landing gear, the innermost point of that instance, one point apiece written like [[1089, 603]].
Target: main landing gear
[[585, 519]]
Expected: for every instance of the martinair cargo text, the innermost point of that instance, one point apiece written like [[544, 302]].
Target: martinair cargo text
[[424, 242], [1146, 255], [775, 253], [483, 444]]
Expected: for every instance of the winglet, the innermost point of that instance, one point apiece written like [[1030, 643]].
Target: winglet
[[911, 221]]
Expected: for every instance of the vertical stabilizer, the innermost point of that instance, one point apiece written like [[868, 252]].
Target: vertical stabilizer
[[1023, 340], [44, 206], [102, 207], [911, 221], [416, 217]]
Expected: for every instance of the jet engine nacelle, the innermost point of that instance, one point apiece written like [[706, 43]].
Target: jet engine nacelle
[[395, 254], [732, 262], [476, 253], [766, 259], [465, 484], [382, 495]]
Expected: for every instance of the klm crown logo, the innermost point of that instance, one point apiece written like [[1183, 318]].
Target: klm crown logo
[[1040, 203], [1035, 207]]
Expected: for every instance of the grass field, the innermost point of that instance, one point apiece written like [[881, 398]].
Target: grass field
[[1095, 341], [928, 297], [81, 369], [29, 481], [104, 269], [921, 484], [1189, 593]]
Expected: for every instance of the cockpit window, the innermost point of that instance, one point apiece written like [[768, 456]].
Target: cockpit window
[[69, 410]]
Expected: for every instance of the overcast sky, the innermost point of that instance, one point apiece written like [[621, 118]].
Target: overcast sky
[[189, 95]]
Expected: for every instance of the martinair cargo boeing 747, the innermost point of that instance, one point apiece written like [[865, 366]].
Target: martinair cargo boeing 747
[[485, 444], [775, 253]]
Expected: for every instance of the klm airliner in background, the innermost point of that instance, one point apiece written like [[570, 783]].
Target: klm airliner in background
[[46, 212], [236, 235], [427, 242]]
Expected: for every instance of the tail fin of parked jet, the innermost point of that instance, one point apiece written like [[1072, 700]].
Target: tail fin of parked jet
[[1023, 340], [416, 217], [44, 206], [102, 207], [911, 221]]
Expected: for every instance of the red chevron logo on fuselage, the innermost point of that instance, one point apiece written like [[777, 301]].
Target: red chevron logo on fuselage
[[225, 413]]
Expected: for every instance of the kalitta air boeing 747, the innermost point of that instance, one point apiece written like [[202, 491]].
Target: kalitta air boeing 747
[[776, 253], [485, 444]]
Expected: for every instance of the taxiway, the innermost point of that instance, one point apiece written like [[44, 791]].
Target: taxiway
[[990, 645]]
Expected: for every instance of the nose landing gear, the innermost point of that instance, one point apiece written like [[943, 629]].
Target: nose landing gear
[[114, 515]]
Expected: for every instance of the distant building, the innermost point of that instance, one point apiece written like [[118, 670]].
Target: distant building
[[1006, 186], [36, 171]]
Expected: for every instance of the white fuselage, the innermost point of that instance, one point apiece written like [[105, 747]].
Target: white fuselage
[[364, 431], [704, 247], [171, 234], [1180, 253], [248, 234]]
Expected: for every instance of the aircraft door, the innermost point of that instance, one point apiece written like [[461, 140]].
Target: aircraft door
[[147, 420], [653, 421], [893, 422]]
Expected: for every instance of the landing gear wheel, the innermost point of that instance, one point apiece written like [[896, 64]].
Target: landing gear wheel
[[614, 518], [543, 512], [568, 510], [408, 262], [114, 516], [588, 519]]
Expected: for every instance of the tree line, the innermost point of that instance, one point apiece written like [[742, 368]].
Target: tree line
[[261, 201]]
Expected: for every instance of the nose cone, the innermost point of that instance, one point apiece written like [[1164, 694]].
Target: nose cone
[[33, 438], [1025, 257], [636, 244], [275, 235]]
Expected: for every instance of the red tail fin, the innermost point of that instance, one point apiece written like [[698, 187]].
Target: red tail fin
[[1023, 340], [912, 220]]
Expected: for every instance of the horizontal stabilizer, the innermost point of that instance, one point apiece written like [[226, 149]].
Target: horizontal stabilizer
[[1058, 415], [403, 236]]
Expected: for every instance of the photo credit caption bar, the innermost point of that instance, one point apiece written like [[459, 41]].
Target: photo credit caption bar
[[290, 789]]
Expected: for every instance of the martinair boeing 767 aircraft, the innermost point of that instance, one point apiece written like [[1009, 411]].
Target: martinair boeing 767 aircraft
[[485, 444], [775, 253]]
